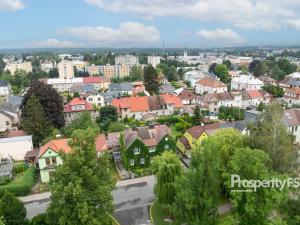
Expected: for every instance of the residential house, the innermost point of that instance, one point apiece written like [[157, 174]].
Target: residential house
[[147, 107], [291, 118], [100, 83], [208, 85], [166, 89], [252, 98], [215, 100], [4, 88], [15, 147], [82, 89], [120, 89], [290, 81], [8, 120], [189, 98], [267, 80], [49, 156], [192, 76], [77, 106], [292, 96], [95, 98], [143, 143], [63, 84], [246, 82]]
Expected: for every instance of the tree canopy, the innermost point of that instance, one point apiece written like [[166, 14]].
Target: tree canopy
[[151, 80]]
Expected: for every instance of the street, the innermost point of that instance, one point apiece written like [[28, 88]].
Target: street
[[132, 200]]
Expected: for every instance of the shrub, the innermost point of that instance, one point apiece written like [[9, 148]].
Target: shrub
[[20, 168], [22, 185], [179, 126], [4, 180]]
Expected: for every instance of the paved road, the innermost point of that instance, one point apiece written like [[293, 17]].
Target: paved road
[[132, 199]]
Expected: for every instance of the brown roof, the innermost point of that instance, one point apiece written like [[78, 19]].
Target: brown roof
[[291, 117], [215, 97], [156, 102], [185, 142], [211, 82], [185, 94], [197, 131]]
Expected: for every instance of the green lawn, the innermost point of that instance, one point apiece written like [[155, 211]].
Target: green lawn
[[21, 184], [159, 215], [174, 133]]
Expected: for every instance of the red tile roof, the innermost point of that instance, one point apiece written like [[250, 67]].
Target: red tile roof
[[211, 82], [101, 144], [255, 94], [16, 133], [56, 145], [91, 80], [136, 104], [173, 99], [78, 101]]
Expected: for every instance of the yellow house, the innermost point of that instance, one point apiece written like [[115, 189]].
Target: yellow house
[[193, 137]]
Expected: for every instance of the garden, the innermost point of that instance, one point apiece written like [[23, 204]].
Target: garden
[[22, 182]]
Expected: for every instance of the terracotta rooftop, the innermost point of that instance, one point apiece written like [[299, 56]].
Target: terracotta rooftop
[[101, 144], [197, 131], [16, 133], [291, 117], [56, 145], [78, 101], [211, 82], [173, 99]]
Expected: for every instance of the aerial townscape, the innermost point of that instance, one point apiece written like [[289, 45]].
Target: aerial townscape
[[138, 125]]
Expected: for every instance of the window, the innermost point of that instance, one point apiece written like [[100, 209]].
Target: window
[[167, 147], [136, 151], [152, 149], [54, 160], [47, 162], [131, 162], [7, 122], [142, 161]]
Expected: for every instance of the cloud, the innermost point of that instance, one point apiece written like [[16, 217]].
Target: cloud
[[11, 5], [226, 35], [54, 43], [266, 15], [128, 33]]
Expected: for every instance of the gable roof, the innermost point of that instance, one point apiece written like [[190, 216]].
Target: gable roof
[[101, 144], [135, 104], [56, 146], [211, 82], [291, 117], [173, 99], [197, 131], [119, 87], [215, 97], [186, 94], [78, 101]]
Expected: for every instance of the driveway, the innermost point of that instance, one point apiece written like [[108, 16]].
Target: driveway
[[132, 200]]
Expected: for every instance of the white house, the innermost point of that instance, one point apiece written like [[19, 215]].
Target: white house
[[4, 88], [291, 118], [292, 96], [209, 85], [192, 76], [96, 99], [15, 147], [246, 82], [8, 120]]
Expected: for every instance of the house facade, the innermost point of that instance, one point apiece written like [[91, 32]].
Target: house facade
[[246, 82], [8, 120], [95, 98], [143, 143], [292, 96], [77, 106], [291, 119], [208, 85]]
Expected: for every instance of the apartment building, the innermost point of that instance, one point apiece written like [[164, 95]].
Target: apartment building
[[12, 67], [127, 60], [65, 69]]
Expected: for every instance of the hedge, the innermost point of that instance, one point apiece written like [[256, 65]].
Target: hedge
[[22, 185]]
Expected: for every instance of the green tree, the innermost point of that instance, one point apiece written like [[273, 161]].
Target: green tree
[[253, 65], [286, 66], [136, 73], [212, 67], [151, 80], [108, 112], [221, 71], [40, 219], [83, 121], [12, 210], [53, 73], [35, 121], [261, 69], [181, 74], [167, 167], [253, 207], [228, 64], [197, 191], [50, 100], [197, 115], [81, 186], [116, 127], [270, 134], [277, 73]]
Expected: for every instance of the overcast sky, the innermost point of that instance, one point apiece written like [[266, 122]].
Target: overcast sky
[[146, 23]]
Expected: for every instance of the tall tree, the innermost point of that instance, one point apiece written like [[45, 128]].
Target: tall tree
[[35, 122], [197, 115], [151, 80], [261, 69], [81, 186], [136, 73], [84, 121], [167, 167], [181, 73], [228, 64], [12, 210], [53, 73], [212, 67], [270, 134], [252, 65], [221, 71], [253, 207], [50, 100], [197, 191]]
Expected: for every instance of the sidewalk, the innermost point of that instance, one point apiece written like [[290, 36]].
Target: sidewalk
[[35, 197]]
